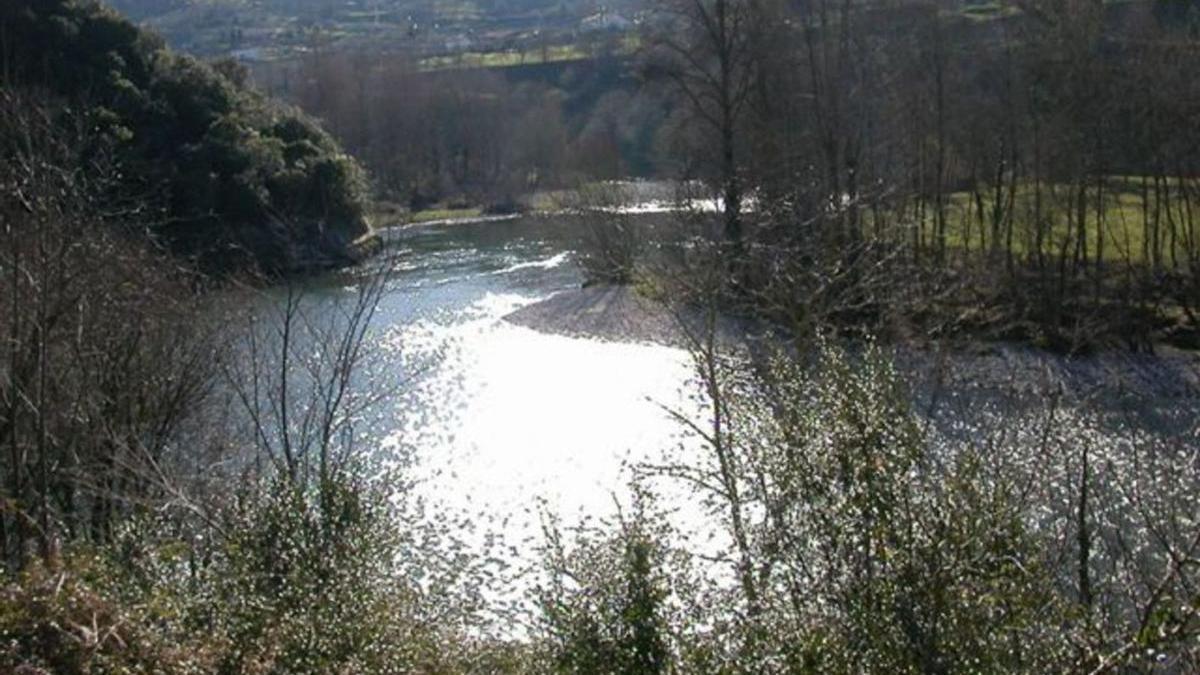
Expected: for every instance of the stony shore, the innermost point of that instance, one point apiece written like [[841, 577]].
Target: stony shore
[[621, 314]]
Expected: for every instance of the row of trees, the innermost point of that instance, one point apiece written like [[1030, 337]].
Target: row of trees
[[1027, 168], [482, 136], [97, 377], [1041, 159]]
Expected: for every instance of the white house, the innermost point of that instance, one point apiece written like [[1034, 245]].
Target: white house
[[605, 21]]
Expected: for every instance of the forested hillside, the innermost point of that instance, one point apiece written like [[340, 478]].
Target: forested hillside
[[207, 167], [273, 29], [480, 137]]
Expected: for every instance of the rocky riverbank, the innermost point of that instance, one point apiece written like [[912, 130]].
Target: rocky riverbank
[[1021, 373]]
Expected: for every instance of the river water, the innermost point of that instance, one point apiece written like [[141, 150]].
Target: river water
[[499, 421]]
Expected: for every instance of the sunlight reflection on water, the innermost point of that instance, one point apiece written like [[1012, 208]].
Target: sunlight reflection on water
[[508, 415], [496, 423]]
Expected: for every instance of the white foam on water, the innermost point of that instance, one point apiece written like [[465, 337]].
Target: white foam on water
[[547, 264]]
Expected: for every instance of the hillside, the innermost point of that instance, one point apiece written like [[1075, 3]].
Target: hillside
[[219, 173], [278, 29]]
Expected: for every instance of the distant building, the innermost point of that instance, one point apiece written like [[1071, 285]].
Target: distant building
[[459, 43], [247, 55], [605, 21]]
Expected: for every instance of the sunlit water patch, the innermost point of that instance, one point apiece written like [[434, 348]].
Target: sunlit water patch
[[506, 417], [500, 423]]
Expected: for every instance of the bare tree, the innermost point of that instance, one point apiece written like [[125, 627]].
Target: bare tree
[[705, 49], [293, 372], [101, 371]]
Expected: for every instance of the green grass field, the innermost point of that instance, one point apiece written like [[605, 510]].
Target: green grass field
[[388, 214], [1120, 215], [457, 10], [434, 215], [528, 57], [987, 11]]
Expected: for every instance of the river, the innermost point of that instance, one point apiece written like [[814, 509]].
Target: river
[[499, 423]]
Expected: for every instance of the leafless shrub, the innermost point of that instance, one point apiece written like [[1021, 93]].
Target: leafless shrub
[[103, 362], [614, 243]]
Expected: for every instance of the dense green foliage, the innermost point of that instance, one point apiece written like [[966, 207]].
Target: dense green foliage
[[216, 171], [285, 581]]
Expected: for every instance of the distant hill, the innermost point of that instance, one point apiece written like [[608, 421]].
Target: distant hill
[[273, 29], [235, 179], [493, 8]]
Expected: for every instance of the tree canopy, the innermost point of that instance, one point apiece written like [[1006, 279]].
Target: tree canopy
[[221, 174]]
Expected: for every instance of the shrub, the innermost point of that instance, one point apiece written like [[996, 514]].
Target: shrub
[[603, 608], [612, 244], [290, 581], [68, 618]]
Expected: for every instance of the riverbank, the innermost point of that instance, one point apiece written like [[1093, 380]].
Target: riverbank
[[628, 197], [621, 314], [613, 313]]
